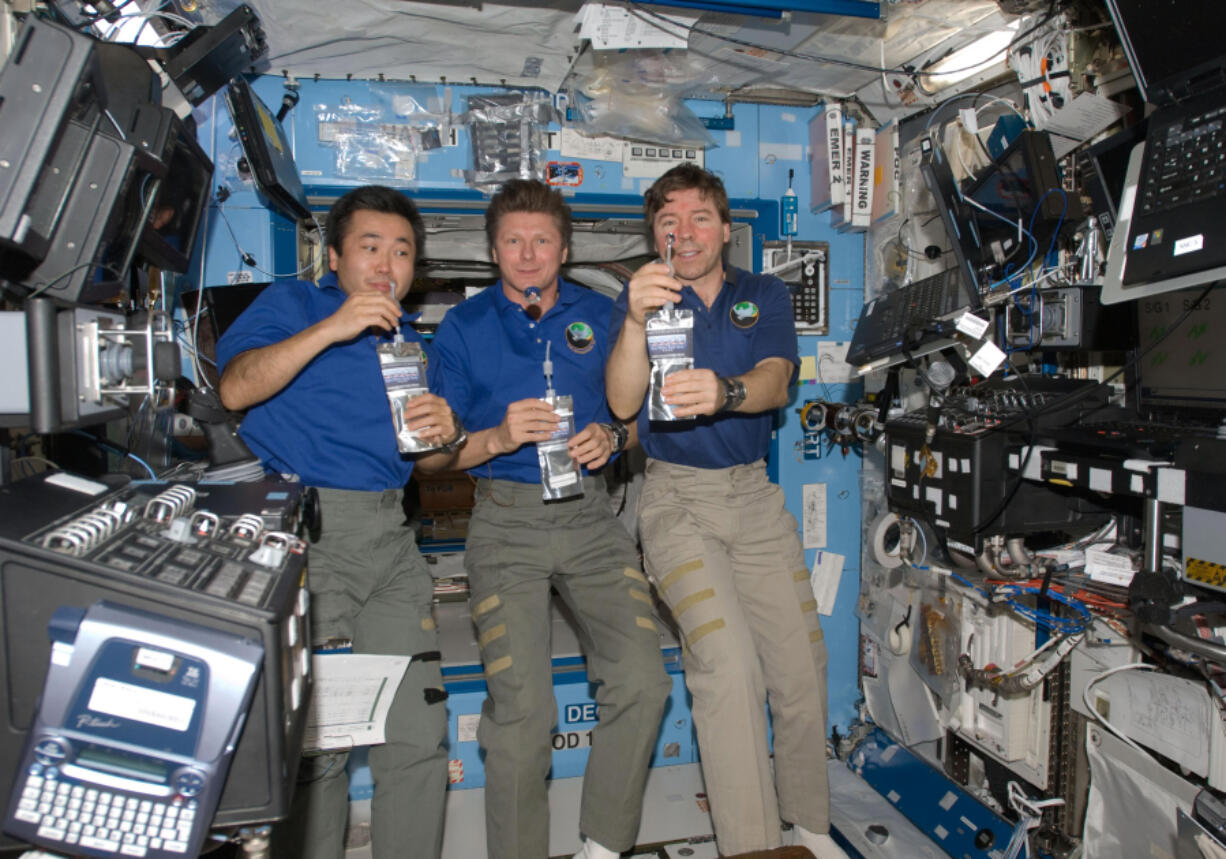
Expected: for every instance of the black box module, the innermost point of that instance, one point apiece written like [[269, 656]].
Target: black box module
[[1068, 318], [959, 479], [207, 57], [199, 554], [52, 76]]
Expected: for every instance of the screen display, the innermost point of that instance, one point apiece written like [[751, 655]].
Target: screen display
[[129, 701], [176, 213], [1188, 368], [268, 151], [106, 760], [1169, 39], [1022, 186]]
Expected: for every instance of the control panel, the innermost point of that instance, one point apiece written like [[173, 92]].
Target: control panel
[[804, 268], [169, 540]]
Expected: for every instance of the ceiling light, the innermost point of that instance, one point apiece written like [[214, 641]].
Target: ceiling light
[[972, 59]]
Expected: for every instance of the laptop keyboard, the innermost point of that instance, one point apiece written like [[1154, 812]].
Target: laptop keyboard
[[932, 298], [904, 315], [1187, 162]]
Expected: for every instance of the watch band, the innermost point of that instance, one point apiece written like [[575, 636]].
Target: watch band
[[620, 434], [461, 436], [734, 393]]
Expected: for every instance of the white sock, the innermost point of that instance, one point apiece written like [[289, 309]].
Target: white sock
[[592, 850], [822, 846]]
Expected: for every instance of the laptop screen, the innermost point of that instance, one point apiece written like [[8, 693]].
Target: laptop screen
[[1187, 370], [1168, 42], [1023, 184], [960, 227]]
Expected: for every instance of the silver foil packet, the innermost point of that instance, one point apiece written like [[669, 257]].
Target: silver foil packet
[[404, 376], [670, 346], [561, 476]]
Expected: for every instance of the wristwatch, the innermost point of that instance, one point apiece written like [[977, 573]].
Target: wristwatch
[[734, 393], [461, 436], [620, 434]]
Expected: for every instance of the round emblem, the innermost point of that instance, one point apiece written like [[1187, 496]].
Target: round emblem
[[744, 314], [580, 337]]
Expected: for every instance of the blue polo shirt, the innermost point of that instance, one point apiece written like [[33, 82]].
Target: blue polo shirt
[[331, 425], [488, 354], [750, 320]]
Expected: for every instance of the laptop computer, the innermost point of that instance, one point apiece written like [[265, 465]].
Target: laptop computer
[[910, 322], [920, 318], [1178, 225]]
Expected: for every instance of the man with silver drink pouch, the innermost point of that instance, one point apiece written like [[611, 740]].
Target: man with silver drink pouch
[[718, 543], [303, 360], [523, 364]]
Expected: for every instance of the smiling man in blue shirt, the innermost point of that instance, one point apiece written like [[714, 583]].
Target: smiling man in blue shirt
[[302, 361], [718, 543], [489, 362]]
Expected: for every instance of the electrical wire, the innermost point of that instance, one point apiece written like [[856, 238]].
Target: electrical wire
[[145, 18], [107, 113], [1007, 595], [1034, 249], [640, 10], [248, 259], [201, 378], [113, 448], [40, 288], [1042, 70], [1034, 283], [26, 461]]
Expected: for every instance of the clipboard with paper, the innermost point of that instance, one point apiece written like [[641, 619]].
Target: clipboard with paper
[[352, 695]]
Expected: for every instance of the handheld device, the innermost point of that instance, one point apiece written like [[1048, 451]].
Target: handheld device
[[133, 738]]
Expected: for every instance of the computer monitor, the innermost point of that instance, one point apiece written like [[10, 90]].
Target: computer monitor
[[1187, 370], [1023, 185], [267, 150], [1169, 43], [170, 229], [224, 304]]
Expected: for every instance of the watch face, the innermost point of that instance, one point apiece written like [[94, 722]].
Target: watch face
[[734, 393]]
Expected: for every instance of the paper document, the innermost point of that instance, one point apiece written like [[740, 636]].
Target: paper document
[[813, 521], [613, 28], [825, 578], [353, 692], [832, 366]]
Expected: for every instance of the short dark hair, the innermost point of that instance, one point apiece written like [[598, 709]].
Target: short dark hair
[[528, 195], [682, 178], [374, 198]]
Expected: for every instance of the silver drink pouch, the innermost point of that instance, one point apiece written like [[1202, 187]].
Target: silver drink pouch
[[670, 346], [560, 475], [404, 376]]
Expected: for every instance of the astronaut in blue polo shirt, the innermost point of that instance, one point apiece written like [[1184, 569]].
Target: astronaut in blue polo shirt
[[302, 360], [495, 357], [718, 543]]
